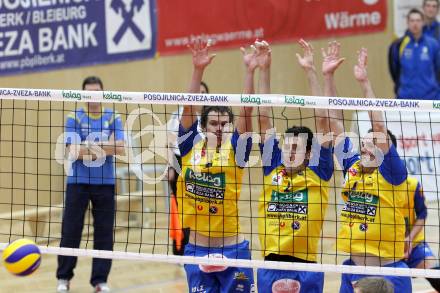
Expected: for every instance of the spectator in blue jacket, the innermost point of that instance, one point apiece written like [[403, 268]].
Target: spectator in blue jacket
[[414, 62], [432, 26]]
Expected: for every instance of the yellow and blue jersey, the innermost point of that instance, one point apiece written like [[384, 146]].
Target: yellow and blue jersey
[[372, 219], [416, 206], [292, 208], [81, 126], [209, 184]]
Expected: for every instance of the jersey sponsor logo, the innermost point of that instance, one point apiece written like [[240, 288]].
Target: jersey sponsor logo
[[198, 289], [360, 206], [240, 276], [353, 207], [289, 202], [296, 225], [425, 54], [362, 197], [277, 179], [206, 179], [287, 208], [211, 186], [363, 227], [196, 158], [352, 171], [408, 53], [239, 288], [300, 196], [213, 210], [203, 191]]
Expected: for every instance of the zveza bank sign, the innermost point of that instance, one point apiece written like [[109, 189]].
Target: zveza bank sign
[[44, 34]]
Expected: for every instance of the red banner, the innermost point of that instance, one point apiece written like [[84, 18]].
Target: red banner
[[233, 23]]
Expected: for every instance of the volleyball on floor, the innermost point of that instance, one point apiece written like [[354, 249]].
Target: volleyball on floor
[[22, 257]]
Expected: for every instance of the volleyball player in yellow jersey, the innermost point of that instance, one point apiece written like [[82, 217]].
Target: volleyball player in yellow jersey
[[372, 220], [420, 255], [208, 187], [294, 200]]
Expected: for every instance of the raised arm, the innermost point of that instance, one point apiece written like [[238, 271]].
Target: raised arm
[[264, 62], [330, 63], [308, 64], [244, 121], [376, 117], [201, 58]]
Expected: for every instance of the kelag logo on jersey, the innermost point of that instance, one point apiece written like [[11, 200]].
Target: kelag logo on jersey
[[362, 197], [207, 179], [361, 206], [209, 188], [289, 202], [296, 197]]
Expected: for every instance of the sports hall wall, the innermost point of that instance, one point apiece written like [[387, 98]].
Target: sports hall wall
[[28, 174]]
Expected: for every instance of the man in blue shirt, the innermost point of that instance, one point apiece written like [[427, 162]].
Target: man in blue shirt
[[93, 136], [432, 26], [414, 62]]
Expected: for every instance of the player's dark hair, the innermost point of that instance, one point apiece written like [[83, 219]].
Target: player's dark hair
[[92, 80], [296, 130], [219, 109], [415, 11], [390, 134], [203, 84]]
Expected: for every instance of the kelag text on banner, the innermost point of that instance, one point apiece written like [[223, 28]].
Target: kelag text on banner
[[46, 34]]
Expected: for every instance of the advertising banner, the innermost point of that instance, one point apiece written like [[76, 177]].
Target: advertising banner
[[52, 34], [232, 23], [47, 34]]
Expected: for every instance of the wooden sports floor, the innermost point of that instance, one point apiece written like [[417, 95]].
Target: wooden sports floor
[[141, 276]]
